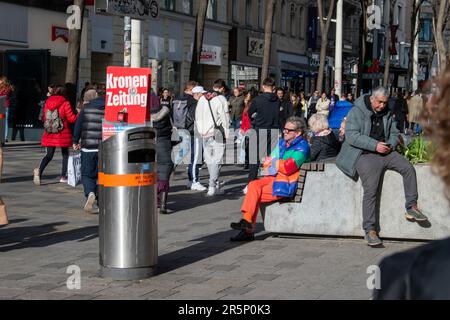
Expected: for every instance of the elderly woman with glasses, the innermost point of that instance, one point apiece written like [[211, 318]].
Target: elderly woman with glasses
[[281, 171]]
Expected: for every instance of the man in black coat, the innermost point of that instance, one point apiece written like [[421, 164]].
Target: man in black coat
[[286, 108], [266, 106], [89, 128]]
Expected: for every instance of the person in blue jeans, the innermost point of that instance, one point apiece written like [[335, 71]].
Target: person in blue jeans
[[88, 128]]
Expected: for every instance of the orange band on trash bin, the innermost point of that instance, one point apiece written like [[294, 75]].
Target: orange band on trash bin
[[2, 116], [126, 180]]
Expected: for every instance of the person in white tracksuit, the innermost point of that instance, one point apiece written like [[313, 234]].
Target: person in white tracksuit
[[212, 110]]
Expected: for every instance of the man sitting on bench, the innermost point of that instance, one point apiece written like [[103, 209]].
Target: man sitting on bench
[[282, 170]]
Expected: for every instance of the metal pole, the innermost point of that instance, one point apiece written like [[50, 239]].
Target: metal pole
[[136, 43], [415, 47], [127, 42], [338, 53]]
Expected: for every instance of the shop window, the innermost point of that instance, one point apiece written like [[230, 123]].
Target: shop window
[[173, 76]]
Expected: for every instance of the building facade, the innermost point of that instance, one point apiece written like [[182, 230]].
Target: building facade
[[289, 64]]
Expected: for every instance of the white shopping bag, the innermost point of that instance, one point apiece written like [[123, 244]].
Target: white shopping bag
[[74, 170]]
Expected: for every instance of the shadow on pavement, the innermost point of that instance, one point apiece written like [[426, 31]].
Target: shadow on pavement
[[29, 178], [209, 246], [193, 199], [42, 236]]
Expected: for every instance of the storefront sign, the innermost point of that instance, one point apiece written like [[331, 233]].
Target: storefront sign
[[60, 32], [136, 9], [255, 47], [127, 94], [211, 55]]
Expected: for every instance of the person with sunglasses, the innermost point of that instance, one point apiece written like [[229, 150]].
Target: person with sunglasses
[[281, 170], [371, 136]]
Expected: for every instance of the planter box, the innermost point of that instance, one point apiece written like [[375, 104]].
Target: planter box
[[332, 205]]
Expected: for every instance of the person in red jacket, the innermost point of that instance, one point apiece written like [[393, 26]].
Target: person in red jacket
[[62, 138]]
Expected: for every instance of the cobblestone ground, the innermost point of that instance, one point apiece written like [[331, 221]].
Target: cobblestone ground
[[49, 231]]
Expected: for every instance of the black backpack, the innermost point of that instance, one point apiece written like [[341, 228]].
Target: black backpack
[[180, 109]]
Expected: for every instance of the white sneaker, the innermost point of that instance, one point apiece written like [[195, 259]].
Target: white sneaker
[[214, 192], [220, 184], [36, 178], [245, 189], [197, 186], [189, 184], [89, 206]]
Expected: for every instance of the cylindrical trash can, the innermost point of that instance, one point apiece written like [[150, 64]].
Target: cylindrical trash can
[[127, 200]]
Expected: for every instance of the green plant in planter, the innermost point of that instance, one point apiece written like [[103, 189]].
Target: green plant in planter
[[418, 151]]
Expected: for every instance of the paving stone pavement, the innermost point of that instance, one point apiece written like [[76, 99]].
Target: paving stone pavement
[[49, 231]]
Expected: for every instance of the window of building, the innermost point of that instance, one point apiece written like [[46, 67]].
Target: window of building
[[248, 12], [301, 22], [187, 7], [274, 19], [211, 13], [170, 5], [292, 20], [235, 10], [400, 17], [283, 17], [426, 30], [261, 14]]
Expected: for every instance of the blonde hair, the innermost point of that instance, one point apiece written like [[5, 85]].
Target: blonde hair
[[89, 95], [318, 122], [436, 118]]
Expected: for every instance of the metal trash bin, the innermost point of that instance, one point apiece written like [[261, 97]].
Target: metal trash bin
[[127, 202]]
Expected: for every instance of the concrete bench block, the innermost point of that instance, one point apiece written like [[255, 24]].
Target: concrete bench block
[[332, 205]]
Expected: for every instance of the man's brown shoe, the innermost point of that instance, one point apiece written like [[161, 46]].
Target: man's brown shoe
[[372, 238]]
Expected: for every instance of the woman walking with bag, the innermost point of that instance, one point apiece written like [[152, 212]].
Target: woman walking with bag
[[56, 116]]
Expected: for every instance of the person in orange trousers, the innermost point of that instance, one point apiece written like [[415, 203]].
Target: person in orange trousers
[[282, 170]]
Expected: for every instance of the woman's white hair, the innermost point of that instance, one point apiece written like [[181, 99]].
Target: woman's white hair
[[318, 122]]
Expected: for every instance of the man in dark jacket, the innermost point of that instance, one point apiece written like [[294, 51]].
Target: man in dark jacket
[[266, 106], [368, 150], [286, 108], [89, 128]]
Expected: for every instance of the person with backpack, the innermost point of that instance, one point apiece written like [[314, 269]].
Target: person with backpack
[[161, 118], [57, 116], [88, 128], [212, 120]]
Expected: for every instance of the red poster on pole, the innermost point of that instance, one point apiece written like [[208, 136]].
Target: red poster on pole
[[127, 95]]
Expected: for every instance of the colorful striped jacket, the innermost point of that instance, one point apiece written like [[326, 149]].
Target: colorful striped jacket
[[284, 163]]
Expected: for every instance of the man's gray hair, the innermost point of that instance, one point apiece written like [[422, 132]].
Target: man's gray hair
[[300, 123], [380, 92]]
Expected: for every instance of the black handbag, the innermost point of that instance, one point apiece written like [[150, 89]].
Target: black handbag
[[219, 131]]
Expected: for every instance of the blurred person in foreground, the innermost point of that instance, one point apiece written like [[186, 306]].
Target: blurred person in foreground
[[423, 273]]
